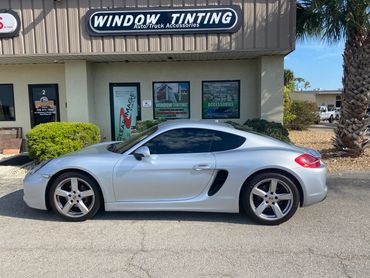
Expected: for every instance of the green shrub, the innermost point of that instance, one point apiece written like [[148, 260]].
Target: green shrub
[[239, 126], [275, 130], [288, 115], [51, 140], [143, 125], [305, 115]]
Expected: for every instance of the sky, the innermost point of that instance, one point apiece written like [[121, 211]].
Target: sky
[[317, 62]]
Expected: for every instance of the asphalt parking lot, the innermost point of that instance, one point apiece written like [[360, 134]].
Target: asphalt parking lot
[[331, 239]]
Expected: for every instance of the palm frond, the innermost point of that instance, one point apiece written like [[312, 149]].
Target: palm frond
[[331, 20]]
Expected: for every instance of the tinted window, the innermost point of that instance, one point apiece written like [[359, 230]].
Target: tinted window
[[185, 140], [7, 112], [223, 141], [194, 140]]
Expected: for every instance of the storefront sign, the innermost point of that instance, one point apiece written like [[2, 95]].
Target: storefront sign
[[220, 19], [9, 24], [125, 99], [171, 100], [221, 99]]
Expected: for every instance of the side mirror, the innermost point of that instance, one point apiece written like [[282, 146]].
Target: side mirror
[[142, 152]]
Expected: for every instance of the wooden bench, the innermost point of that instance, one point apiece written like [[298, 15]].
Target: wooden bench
[[10, 140]]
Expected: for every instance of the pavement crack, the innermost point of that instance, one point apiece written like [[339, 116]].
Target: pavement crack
[[343, 266], [136, 253]]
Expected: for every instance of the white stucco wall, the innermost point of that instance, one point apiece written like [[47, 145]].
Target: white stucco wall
[[301, 96], [23, 75], [195, 72], [271, 85], [84, 87]]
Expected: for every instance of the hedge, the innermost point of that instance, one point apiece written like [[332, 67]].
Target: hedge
[[143, 125], [305, 115], [272, 129], [51, 140]]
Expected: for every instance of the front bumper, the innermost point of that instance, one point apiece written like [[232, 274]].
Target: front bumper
[[34, 188]]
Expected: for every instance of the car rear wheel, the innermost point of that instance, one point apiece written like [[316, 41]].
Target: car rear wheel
[[270, 198], [75, 196]]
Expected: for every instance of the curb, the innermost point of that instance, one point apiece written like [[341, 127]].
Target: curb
[[350, 175]]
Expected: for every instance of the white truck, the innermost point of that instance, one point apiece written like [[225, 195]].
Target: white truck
[[327, 114]]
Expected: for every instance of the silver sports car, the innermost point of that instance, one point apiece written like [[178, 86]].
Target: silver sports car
[[182, 166]]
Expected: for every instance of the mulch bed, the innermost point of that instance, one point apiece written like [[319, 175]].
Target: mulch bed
[[322, 141]]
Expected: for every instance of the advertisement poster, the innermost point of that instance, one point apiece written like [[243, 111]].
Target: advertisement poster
[[125, 102], [171, 100], [221, 99], [44, 107]]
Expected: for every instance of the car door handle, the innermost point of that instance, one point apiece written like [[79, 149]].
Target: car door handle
[[201, 167]]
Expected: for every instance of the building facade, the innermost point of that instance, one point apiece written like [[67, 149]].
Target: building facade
[[114, 62], [330, 98]]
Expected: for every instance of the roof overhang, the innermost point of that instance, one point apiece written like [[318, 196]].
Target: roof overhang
[[138, 57]]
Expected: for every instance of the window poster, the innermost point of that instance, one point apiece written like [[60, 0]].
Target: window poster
[[171, 100], [44, 107], [221, 99], [125, 111]]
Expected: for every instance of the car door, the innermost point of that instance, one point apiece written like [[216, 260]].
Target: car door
[[180, 167]]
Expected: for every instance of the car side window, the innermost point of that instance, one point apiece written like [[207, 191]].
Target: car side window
[[223, 141], [182, 140]]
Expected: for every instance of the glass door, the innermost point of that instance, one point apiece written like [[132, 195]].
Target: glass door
[[44, 103], [125, 109]]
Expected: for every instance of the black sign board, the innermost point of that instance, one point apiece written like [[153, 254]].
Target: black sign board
[[217, 19]]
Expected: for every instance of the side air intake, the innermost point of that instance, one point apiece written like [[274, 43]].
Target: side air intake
[[218, 182]]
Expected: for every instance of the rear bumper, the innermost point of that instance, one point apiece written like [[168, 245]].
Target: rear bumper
[[313, 183]]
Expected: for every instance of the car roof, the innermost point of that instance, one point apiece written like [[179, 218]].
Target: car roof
[[210, 124], [254, 139]]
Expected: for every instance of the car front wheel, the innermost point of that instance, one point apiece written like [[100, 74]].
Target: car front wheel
[[74, 196], [270, 198]]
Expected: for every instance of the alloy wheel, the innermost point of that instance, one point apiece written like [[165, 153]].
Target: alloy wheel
[[271, 199], [74, 197]]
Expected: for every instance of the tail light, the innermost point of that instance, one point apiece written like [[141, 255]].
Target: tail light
[[308, 161]]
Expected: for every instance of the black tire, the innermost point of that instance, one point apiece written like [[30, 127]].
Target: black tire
[[83, 180], [283, 181], [331, 119]]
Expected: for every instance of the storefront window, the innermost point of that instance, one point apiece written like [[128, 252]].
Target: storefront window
[[171, 100], [221, 99], [338, 102], [7, 112]]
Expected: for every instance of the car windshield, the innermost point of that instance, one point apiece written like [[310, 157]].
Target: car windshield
[[123, 146]]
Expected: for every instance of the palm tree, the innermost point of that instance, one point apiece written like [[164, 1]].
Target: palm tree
[[333, 20]]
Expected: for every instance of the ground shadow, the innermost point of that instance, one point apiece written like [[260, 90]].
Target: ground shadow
[[12, 205]]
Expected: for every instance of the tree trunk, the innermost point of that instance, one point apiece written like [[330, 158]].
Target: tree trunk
[[351, 130]]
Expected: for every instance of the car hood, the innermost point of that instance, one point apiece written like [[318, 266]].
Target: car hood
[[93, 149]]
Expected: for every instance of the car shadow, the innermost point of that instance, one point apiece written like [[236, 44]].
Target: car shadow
[[12, 205]]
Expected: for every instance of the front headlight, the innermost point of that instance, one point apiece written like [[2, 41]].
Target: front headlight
[[38, 167]]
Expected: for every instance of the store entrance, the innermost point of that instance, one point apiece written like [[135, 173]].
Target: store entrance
[[44, 103]]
